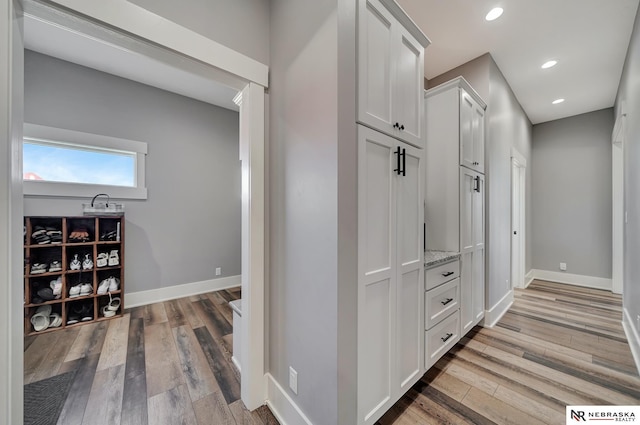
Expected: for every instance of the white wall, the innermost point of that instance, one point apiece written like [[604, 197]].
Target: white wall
[[572, 194], [506, 126], [629, 93], [303, 104], [242, 25], [190, 223]]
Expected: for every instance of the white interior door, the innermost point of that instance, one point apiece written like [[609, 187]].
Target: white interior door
[[518, 172]]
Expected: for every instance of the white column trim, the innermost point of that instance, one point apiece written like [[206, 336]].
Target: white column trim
[[633, 337], [495, 313]]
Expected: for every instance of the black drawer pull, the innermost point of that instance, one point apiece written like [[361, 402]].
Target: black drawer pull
[[447, 301], [446, 337], [446, 274]]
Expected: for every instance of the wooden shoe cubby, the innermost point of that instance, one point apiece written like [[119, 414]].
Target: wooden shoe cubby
[[64, 252]]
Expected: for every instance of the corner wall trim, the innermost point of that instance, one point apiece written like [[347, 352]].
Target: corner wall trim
[[282, 406], [135, 299], [633, 337], [528, 278], [573, 279], [495, 313]]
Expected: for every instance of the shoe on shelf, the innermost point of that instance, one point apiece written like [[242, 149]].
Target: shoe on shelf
[[108, 236], [114, 284], [114, 259], [38, 268], [46, 294], [55, 266], [75, 263], [86, 289], [103, 287], [55, 320], [102, 259], [114, 304], [41, 319], [56, 286], [74, 291], [86, 312], [87, 264], [106, 312]]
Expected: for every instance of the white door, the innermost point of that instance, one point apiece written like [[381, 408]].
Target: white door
[[518, 196], [466, 130], [408, 93], [618, 211], [410, 323], [375, 70], [478, 248], [478, 138], [467, 245], [377, 271]]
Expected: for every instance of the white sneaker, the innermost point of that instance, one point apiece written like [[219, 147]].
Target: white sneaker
[[87, 264], [75, 263], [101, 259], [114, 260], [86, 289], [74, 291], [114, 284], [103, 288], [56, 286]]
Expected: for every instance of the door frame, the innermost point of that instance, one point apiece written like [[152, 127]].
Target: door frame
[[618, 137], [227, 66], [518, 218]]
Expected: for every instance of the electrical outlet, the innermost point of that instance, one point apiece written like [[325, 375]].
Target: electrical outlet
[[218, 271], [293, 380], [563, 267]]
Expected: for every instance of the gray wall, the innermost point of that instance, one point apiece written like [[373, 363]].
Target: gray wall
[[507, 126], [190, 222], [572, 194], [242, 25], [303, 192], [628, 92]]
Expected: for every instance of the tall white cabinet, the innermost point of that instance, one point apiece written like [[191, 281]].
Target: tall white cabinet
[[390, 120], [455, 187]]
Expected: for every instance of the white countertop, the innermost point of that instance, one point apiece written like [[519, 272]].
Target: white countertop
[[432, 258]]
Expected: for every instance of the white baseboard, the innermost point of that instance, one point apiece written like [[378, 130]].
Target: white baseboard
[[633, 337], [528, 278], [283, 407], [495, 313], [573, 279], [135, 299]]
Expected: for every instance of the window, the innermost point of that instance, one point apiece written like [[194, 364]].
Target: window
[[58, 162]]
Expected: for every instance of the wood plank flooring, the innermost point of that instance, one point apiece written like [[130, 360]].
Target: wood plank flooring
[[170, 363], [164, 363], [558, 345]]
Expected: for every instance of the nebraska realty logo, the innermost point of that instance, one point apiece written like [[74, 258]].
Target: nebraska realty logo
[[581, 414]]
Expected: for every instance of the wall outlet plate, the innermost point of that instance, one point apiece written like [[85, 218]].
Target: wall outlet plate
[[218, 271], [563, 267]]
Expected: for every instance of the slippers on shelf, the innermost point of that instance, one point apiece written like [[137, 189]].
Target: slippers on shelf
[[55, 320], [41, 319]]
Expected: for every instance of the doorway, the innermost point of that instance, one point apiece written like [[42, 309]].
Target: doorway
[[138, 28], [518, 223], [618, 207]]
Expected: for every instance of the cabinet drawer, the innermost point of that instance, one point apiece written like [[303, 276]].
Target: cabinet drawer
[[441, 338], [441, 302], [441, 274]]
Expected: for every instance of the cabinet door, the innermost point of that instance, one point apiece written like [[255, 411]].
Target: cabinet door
[[466, 292], [409, 88], [478, 138], [478, 249], [467, 188], [377, 272], [375, 48], [409, 324], [467, 158]]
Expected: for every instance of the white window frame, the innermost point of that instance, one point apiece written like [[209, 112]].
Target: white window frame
[[86, 190]]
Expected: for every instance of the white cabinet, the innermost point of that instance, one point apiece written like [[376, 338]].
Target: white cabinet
[[390, 271], [390, 73], [471, 132], [471, 248], [455, 187]]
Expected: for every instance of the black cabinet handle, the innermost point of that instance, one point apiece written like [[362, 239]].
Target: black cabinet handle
[[446, 337], [397, 153], [401, 127], [445, 274], [447, 301], [404, 162], [477, 188], [396, 125]]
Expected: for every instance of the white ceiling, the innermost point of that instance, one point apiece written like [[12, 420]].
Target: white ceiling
[[72, 46], [588, 38]]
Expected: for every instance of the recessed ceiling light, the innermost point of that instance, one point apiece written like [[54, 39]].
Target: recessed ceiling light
[[549, 64], [494, 14], [555, 102]]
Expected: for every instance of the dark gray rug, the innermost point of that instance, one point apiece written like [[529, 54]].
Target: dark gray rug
[[44, 400]]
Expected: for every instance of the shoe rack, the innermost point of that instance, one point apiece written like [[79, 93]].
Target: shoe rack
[[50, 246]]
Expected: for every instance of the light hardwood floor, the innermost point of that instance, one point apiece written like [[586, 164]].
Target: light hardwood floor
[[169, 363], [558, 345], [165, 363]]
